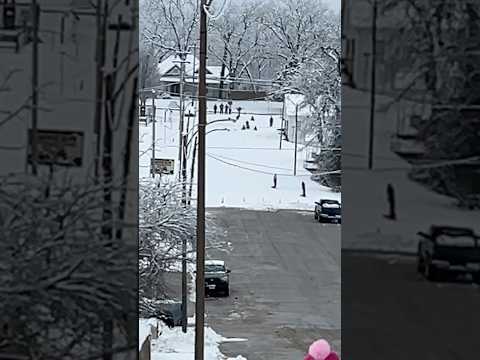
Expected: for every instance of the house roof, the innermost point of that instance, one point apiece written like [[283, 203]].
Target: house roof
[[169, 70]]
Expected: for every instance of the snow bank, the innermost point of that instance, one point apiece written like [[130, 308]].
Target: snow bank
[[173, 344], [144, 330]]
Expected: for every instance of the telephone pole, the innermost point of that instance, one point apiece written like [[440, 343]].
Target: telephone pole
[[200, 243], [182, 55], [154, 118], [373, 86], [33, 139], [296, 133]]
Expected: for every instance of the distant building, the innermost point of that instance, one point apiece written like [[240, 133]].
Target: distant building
[[229, 88], [169, 74]]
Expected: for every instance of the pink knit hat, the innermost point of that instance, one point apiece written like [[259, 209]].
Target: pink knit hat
[[319, 350]]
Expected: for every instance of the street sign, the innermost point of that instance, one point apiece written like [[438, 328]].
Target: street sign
[[162, 166], [64, 148]]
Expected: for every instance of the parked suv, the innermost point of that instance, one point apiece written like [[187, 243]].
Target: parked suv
[[217, 279], [328, 210], [448, 249]]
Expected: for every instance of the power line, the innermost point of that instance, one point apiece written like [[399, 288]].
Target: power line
[[270, 173], [249, 163]]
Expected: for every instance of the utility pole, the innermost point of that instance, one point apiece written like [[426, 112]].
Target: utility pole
[[154, 118], [100, 64], [282, 122], [373, 86], [296, 133], [35, 20], [184, 285], [193, 72], [200, 243], [192, 172], [182, 55], [184, 160]]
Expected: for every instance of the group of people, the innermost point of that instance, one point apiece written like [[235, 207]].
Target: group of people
[[222, 108]]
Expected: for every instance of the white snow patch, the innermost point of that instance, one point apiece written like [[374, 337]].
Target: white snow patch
[[240, 164], [144, 329], [173, 344]]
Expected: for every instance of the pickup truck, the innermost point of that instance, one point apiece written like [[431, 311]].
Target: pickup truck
[[328, 211], [448, 249]]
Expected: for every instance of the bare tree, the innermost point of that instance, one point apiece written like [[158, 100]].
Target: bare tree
[[435, 49], [237, 40], [60, 277], [164, 223]]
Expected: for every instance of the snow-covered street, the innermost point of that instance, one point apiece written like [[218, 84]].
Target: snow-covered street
[[240, 163]]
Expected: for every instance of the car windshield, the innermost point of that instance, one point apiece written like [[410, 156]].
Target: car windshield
[[330, 204], [214, 268]]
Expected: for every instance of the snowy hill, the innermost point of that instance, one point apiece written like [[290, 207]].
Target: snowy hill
[[240, 163], [417, 207]]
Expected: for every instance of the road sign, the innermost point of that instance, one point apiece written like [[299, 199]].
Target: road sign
[[162, 166], [64, 148]]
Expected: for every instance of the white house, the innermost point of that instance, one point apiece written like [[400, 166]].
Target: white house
[[169, 71]]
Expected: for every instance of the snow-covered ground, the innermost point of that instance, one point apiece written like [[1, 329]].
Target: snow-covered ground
[[173, 344], [240, 164]]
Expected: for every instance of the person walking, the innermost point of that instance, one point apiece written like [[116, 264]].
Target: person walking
[[230, 109], [221, 108], [391, 202], [247, 124], [274, 181], [304, 194], [215, 108], [252, 118], [271, 121]]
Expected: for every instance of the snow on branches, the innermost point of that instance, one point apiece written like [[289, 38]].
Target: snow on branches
[[164, 223], [60, 276]]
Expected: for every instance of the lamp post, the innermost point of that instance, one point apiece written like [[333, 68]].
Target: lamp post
[[153, 133]]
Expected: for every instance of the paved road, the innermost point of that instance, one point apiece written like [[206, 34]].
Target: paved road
[[391, 312], [285, 283]]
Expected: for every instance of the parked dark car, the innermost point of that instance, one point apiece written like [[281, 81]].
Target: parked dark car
[[328, 211], [217, 278], [447, 250]]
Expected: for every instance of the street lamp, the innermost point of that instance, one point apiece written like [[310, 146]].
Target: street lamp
[[296, 134], [153, 132]]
